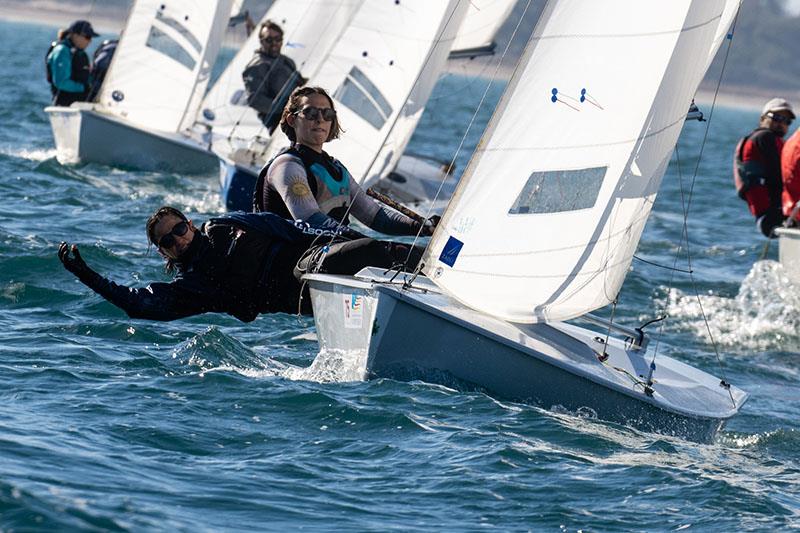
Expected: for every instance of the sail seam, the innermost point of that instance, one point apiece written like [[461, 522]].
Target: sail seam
[[627, 35]]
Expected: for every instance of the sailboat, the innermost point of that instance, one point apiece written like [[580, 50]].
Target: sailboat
[[381, 70], [151, 94], [543, 226]]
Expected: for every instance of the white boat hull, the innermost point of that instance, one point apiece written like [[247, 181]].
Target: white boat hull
[[420, 333], [789, 251], [84, 134]]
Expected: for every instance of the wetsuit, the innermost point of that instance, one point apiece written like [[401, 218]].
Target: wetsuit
[[302, 184], [757, 173], [102, 60], [244, 264], [790, 169], [268, 82], [68, 70]]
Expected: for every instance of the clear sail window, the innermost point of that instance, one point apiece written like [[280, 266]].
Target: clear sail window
[[161, 42], [181, 29], [559, 190], [358, 93]]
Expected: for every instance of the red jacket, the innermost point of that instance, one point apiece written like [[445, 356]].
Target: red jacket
[[790, 168], [757, 170]]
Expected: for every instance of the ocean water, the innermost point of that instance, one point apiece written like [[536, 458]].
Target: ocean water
[[209, 424]]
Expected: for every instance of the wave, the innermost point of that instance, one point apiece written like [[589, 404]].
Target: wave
[[765, 314]]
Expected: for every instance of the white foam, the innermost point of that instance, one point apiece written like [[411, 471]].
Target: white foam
[[765, 314], [40, 154]]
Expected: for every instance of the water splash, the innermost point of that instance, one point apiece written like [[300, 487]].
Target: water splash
[[31, 154], [331, 366], [765, 314]]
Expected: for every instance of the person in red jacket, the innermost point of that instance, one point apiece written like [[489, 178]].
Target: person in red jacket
[[790, 169], [757, 168]]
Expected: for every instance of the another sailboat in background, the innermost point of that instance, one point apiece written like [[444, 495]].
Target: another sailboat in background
[[381, 71], [543, 227], [151, 94]]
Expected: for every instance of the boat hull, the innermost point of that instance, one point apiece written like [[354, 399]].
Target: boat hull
[[789, 251], [83, 134], [419, 334]]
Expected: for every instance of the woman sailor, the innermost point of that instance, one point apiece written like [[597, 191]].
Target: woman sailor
[[305, 183]]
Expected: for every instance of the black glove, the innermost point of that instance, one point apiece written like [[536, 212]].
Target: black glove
[[430, 225], [74, 264]]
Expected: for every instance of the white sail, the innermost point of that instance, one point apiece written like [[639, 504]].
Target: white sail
[[481, 23], [545, 221], [381, 73], [310, 28], [162, 64]]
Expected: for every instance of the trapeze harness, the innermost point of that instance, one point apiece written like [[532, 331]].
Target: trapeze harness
[[326, 171]]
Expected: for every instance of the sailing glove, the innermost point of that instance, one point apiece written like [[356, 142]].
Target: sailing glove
[[74, 263]]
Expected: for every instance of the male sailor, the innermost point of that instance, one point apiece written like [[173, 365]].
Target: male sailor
[[757, 165], [270, 76]]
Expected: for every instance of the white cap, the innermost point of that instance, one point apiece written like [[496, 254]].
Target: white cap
[[777, 104]]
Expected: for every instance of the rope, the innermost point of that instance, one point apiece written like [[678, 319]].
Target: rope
[[469, 127], [686, 203], [396, 118]]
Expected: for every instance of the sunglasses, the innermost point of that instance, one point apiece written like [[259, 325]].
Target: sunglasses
[[780, 119], [313, 113], [178, 230], [270, 40]]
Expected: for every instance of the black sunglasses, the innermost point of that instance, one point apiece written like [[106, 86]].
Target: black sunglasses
[[313, 113], [780, 119], [270, 40], [178, 230]]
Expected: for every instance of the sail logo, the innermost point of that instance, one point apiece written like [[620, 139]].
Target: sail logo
[[450, 252], [353, 311]]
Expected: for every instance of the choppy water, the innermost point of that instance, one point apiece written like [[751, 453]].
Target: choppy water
[[209, 424]]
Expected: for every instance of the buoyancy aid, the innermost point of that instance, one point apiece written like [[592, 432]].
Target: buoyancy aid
[[750, 174], [80, 65], [328, 180]]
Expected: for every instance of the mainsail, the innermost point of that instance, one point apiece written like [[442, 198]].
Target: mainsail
[[548, 214], [162, 64]]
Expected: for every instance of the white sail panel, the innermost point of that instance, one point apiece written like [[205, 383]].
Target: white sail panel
[[163, 60], [545, 221], [372, 74], [481, 23], [310, 27]]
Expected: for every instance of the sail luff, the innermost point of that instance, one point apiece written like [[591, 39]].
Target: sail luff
[[547, 217]]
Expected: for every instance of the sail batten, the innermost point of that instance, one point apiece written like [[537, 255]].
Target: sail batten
[[573, 157]]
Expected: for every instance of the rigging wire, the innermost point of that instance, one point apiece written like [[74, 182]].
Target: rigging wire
[[434, 43], [686, 203], [469, 126]]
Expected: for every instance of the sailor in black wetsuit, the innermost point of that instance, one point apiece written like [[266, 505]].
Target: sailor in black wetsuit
[[305, 183], [242, 264]]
